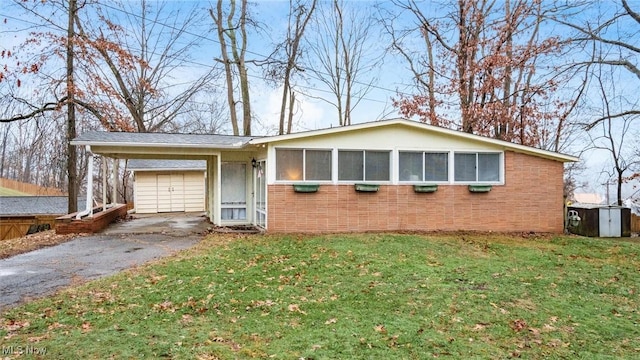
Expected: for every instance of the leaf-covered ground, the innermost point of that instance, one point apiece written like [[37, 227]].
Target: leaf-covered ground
[[12, 247], [373, 296]]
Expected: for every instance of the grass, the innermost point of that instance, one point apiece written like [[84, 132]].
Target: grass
[[10, 192], [373, 296]]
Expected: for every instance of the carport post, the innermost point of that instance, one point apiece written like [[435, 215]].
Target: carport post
[[213, 188], [114, 197]]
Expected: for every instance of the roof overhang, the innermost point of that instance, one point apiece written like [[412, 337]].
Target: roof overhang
[[422, 127], [159, 145]]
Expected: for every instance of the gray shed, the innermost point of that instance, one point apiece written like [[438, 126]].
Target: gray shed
[[601, 220]]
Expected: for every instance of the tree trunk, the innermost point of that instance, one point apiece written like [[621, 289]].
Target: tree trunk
[[72, 187], [217, 18]]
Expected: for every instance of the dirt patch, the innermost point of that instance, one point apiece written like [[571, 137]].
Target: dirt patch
[[32, 242]]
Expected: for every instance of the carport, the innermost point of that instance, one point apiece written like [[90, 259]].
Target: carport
[[230, 164]]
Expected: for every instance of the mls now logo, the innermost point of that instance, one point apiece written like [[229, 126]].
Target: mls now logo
[[23, 350]]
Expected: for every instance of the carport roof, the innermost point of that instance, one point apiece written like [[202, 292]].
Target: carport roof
[[104, 138]]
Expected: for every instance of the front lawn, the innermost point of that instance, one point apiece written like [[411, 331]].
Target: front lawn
[[372, 296]]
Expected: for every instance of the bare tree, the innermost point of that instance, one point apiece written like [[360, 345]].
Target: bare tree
[[102, 78], [342, 48], [155, 83], [284, 62], [615, 36], [615, 131], [233, 59], [484, 66]]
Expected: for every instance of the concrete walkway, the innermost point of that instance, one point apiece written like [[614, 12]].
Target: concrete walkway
[[120, 246]]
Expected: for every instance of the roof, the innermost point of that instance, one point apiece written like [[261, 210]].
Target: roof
[[157, 165], [36, 205], [418, 126], [137, 139], [196, 141], [588, 198]]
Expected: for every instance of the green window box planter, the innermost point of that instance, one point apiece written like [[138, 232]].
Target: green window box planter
[[480, 188], [367, 187], [306, 188], [425, 188]]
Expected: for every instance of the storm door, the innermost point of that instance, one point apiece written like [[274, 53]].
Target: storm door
[[234, 192]]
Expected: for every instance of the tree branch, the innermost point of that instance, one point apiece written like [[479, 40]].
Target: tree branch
[[50, 106], [595, 122]]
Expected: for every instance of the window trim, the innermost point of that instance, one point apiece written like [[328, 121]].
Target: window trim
[[501, 169], [390, 152], [423, 152], [304, 165]]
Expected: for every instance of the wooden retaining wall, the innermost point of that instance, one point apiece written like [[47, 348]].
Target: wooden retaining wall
[[12, 227]]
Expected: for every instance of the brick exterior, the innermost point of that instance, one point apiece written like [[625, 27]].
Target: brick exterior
[[69, 225], [530, 200]]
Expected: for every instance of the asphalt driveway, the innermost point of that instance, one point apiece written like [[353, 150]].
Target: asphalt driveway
[[120, 246]]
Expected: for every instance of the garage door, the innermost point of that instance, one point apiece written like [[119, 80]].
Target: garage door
[[169, 192]]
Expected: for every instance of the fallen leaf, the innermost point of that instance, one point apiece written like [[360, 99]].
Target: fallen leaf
[[380, 328], [295, 308], [518, 325], [479, 327], [331, 321]]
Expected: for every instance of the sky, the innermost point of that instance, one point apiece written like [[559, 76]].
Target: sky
[[390, 73]]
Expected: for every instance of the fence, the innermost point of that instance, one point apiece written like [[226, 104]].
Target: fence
[[30, 189], [635, 223], [14, 227]]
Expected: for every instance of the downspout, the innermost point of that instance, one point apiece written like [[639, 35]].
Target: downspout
[[116, 174], [88, 208], [104, 183]]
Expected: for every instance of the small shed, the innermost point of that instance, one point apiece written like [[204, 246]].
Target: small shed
[[602, 220], [168, 185]]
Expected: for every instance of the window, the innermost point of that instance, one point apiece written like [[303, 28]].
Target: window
[[423, 166], [303, 165], [477, 167], [367, 165]]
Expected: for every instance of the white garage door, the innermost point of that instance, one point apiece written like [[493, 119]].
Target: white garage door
[[169, 192]]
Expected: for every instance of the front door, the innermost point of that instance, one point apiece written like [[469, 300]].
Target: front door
[[234, 192]]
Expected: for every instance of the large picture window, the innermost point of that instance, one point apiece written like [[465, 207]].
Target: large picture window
[[303, 165], [477, 167], [423, 166], [363, 165]]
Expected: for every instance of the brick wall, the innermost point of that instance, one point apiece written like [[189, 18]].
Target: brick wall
[[530, 200], [69, 225]]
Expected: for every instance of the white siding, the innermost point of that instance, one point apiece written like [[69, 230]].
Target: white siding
[[389, 138], [146, 193], [169, 192], [194, 191]]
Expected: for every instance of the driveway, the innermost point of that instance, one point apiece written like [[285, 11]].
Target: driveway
[[119, 247]]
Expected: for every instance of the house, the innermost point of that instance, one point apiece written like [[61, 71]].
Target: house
[[168, 185], [386, 175], [588, 198]]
